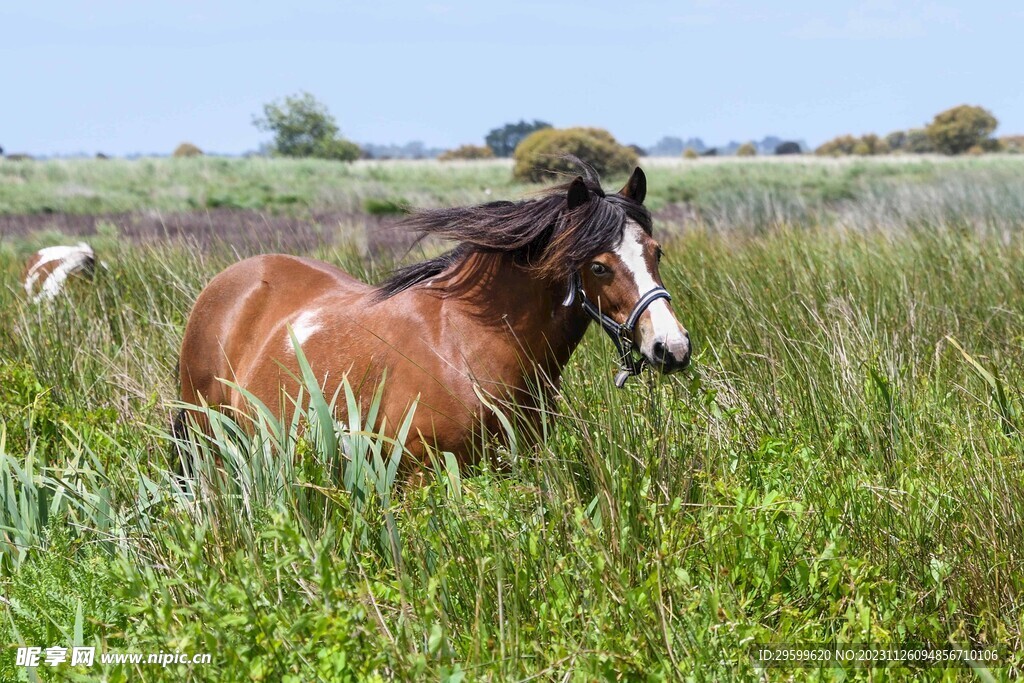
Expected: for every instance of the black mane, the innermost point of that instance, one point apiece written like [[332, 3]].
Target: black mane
[[542, 234]]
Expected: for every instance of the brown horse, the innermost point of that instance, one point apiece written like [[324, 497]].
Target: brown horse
[[473, 328], [48, 270]]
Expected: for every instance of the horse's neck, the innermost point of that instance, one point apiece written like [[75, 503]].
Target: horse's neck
[[528, 310]]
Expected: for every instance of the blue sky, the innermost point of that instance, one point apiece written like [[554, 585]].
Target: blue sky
[[123, 77]]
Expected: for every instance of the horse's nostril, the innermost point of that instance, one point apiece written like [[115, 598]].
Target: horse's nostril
[[660, 352]]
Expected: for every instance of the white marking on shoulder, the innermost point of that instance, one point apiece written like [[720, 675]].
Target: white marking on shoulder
[[305, 326], [631, 252]]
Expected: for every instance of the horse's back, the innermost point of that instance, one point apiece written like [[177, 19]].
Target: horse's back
[[281, 271], [238, 308]]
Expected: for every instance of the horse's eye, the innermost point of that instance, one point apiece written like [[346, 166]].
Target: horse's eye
[[658, 254], [599, 268]]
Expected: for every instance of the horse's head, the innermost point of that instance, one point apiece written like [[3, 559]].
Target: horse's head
[[623, 291]]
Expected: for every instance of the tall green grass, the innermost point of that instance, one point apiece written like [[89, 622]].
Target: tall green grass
[[726, 194], [842, 463], [89, 186]]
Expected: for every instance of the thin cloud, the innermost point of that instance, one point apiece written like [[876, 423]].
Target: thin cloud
[[693, 19], [882, 20]]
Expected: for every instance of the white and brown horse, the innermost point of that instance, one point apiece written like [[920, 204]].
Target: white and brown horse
[[480, 323], [49, 269]]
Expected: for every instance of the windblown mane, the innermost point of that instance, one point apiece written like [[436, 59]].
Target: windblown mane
[[541, 233]]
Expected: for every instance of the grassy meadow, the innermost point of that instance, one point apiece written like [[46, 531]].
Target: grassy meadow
[[843, 463]]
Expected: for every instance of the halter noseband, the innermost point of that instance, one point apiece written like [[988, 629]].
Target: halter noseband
[[621, 333]]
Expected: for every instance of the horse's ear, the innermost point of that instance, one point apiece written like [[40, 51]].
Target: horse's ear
[[578, 193], [636, 186]]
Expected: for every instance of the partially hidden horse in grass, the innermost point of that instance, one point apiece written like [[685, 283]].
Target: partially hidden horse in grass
[[458, 334], [49, 269]]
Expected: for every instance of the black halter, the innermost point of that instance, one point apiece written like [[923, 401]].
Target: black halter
[[620, 333]]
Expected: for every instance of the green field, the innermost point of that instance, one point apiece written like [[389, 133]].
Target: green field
[[843, 462]]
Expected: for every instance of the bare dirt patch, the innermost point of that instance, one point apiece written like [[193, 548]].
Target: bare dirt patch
[[245, 230]]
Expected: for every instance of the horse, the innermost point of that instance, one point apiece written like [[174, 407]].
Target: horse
[[48, 269], [493, 321]]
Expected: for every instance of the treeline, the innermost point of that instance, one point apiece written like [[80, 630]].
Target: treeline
[[965, 129], [670, 146], [303, 127]]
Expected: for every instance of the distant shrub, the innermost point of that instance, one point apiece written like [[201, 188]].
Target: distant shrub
[[838, 146], [985, 147], [1012, 144], [542, 154], [640, 151], [861, 149], [870, 145], [467, 152], [747, 149], [337, 149], [690, 153], [897, 140], [866, 145], [383, 206], [917, 142], [187, 149], [788, 147], [957, 130]]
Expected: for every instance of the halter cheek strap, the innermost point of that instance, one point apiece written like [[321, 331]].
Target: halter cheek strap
[[621, 333]]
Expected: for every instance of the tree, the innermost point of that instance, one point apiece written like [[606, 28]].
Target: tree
[[503, 141], [543, 154], [303, 127], [788, 147], [956, 130]]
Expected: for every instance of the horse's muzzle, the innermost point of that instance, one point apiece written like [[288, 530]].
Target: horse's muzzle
[[671, 355]]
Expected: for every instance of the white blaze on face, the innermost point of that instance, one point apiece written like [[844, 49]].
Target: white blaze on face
[[304, 327], [70, 260], [665, 327]]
